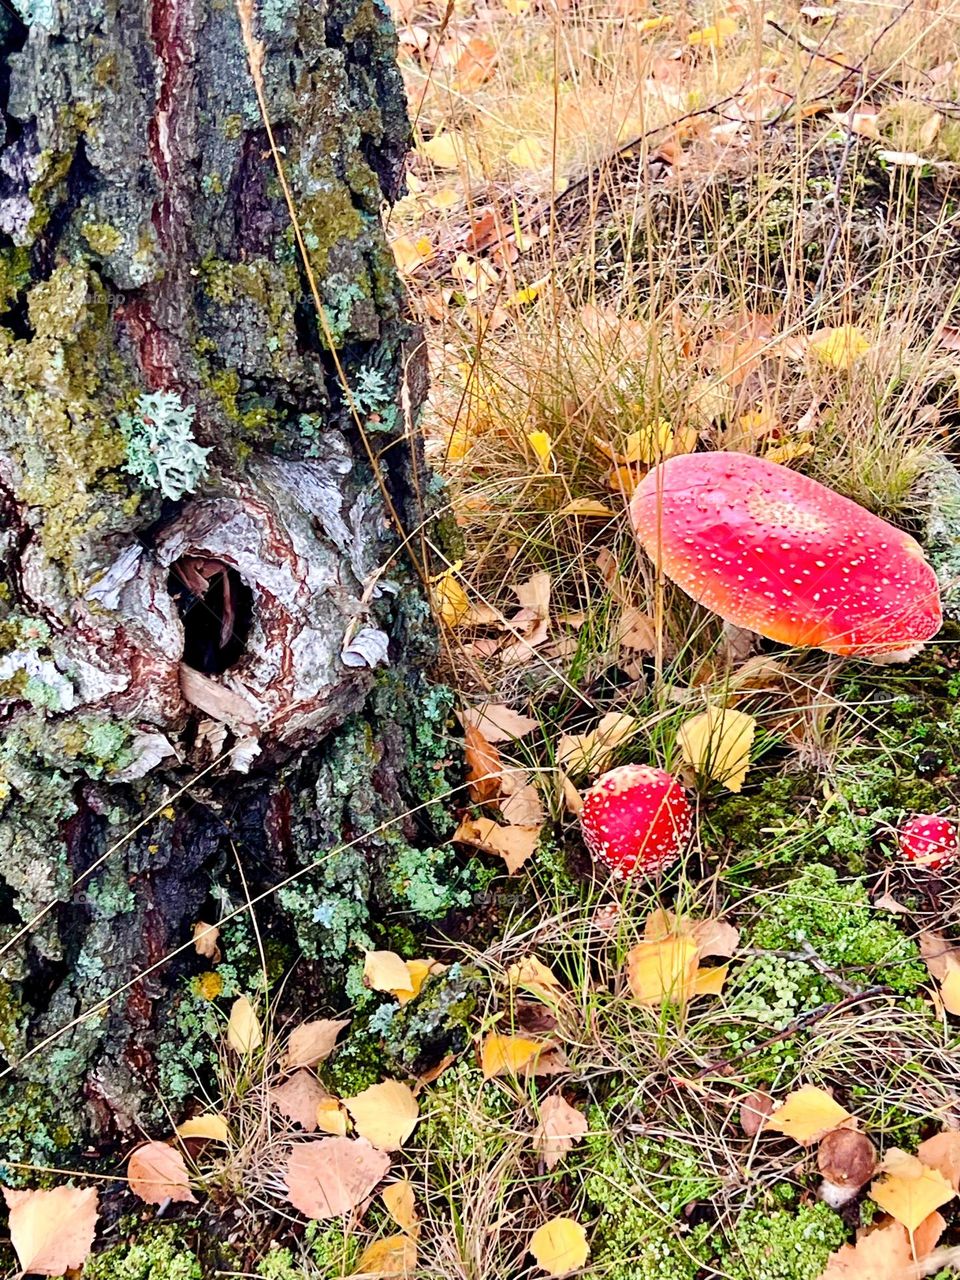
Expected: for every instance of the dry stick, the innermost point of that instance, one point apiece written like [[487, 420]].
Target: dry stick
[[803, 1022]]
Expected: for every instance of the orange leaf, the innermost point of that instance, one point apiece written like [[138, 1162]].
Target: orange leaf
[[156, 1172], [52, 1231]]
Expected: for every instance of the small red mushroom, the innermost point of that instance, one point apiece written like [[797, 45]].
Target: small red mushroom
[[635, 818], [773, 551], [929, 840]]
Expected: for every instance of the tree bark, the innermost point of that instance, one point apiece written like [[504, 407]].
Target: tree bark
[[211, 643]]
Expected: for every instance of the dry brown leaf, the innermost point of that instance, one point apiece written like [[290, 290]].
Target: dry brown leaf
[[385, 1114], [386, 971], [908, 1189], [497, 722], [484, 769], [942, 1152], [523, 807], [754, 1110], [534, 595], [533, 975], [503, 1055], [513, 844], [927, 1235], [211, 1127], [560, 1246], [934, 949], [560, 1127], [712, 937], [244, 1033], [883, 1254], [807, 1114], [156, 1172], [401, 1205], [298, 1099], [393, 1256], [205, 941], [313, 1042], [52, 1231], [331, 1176]]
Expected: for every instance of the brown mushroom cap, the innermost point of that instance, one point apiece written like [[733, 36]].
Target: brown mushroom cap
[[771, 550]]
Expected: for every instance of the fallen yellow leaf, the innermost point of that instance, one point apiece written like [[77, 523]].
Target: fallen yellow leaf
[[716, 35], [587, 507], [450, 599], [212, 1126], [717, 745], [393, 1256], [409, 253], [807, 1114], [386, 971], [502, 1055], [331, 1117], [513, 844], [908, 1189], [385, 1114], [528, 153], [950, 986], [444, 150], [663, 971], [401, 1205], [591, 752], [839, 348], [243, 1029], [560, 1246], [542, 446]]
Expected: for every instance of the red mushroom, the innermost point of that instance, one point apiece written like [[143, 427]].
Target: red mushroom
[[929, 840], [635, 818], [773, 551]]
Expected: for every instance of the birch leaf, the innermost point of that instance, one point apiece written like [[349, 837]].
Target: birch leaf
[[386, 971], [313, 1042], [156, 1172], [502, 1055], [330, 1176], [717, 745], [807, 1114], [560, 1127], [908, 1189], [401, 1205], [243, 1030], [298, 1099], [560, 1246], [385, 1114], [212, 1127], [52, 1231], [393, 1256]]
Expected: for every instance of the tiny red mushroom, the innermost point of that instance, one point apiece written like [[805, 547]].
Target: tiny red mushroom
[[929, 840], [773, 551], [635, 818]]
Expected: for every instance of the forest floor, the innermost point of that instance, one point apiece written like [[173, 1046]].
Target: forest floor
[[631, 232]]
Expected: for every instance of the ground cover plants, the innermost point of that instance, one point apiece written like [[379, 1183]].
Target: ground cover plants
[[631, 234]]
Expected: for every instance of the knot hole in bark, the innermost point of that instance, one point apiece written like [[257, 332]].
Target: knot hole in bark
[[216, 608]]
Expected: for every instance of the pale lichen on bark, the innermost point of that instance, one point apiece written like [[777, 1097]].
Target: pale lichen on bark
[[145, 247]]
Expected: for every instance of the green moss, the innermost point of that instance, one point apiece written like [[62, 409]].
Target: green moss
[[157, 1253], [357, 1062], [789, 1244], [33, 1131], [14, 274]]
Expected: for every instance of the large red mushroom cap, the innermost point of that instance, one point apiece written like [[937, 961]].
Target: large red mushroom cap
[[771, 550], [929, 840], [635, 818]]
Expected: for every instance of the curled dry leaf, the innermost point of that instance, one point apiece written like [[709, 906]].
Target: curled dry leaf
[[533, 975], [560, 1246], [847, 1158], [497, 722], [313, 1042], [52, 1231], [331, 1176], [807, 1114], [908, 1189], [754, 1110], [156, 1173], [205, 941], [298, 1099], [560, 1127], [484, 768], [243, 1030], [212, 1127], [513, 844], [522, 807], [393, 1256], [712, 937], [401, 1205], [385, 1114]]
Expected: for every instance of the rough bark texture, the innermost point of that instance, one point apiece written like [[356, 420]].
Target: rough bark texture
[[154, 306]]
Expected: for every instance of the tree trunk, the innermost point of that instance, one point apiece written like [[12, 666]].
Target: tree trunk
[[210, 641]]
